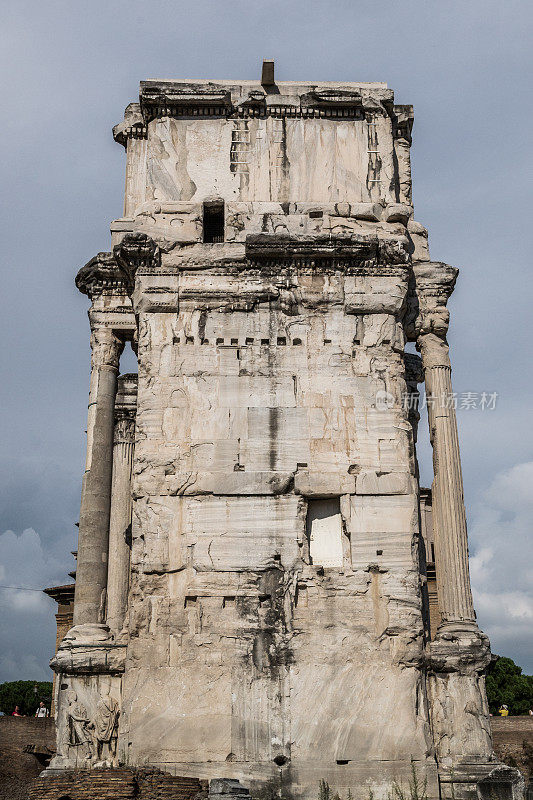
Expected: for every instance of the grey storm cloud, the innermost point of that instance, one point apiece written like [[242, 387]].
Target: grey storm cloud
[[70, 68]]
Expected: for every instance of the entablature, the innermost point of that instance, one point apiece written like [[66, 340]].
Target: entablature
[[242, 99], [101, 275]]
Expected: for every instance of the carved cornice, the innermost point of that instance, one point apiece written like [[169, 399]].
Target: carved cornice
[[133, 126], [101, 275], [136, 251], [323, 252], [167, 99], [332, 98]]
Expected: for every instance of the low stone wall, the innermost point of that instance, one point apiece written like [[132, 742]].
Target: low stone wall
[[26, 744], [116, 784], [513, 742]]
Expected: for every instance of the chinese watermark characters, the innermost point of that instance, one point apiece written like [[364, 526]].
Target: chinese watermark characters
[[462, 401]]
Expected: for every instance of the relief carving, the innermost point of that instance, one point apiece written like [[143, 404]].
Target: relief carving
[[79, 727], [91, 731], [106, 728]]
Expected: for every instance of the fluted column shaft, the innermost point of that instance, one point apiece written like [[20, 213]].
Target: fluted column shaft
[[93, 538], [120, 520], [451, 543]]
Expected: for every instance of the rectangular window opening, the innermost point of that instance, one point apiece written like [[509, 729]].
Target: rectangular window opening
[[213, 223], [324, 532]]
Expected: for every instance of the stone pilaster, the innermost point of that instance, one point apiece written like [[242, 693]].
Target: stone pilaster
[[402, 127], [91, 571], [121, 503], [132, 134]]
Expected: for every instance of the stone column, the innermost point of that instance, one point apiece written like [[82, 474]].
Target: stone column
[[451, 543], [460, 652], [91, 570], [434, 284], [118, 570]]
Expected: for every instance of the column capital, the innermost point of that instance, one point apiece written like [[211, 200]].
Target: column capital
[[431, 289], [136, 251], [106, 348], [124, 426], [434, 282]]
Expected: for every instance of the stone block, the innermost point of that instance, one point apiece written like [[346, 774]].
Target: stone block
[[370, 482], [367, 211], [323, 484], [396, 212]]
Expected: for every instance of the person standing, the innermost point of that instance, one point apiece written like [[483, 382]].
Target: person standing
[[42, 710]]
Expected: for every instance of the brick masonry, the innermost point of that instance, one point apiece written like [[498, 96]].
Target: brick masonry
[[116, 784], [25, 747]]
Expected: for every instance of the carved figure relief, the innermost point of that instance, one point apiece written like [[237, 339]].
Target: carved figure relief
[[106, 728], [79, 727], [92, 737]]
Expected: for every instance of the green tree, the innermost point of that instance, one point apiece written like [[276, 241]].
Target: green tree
[[24, 694], [506, 685]]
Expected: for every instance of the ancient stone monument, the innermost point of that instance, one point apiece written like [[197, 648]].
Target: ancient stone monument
[[251, 597]]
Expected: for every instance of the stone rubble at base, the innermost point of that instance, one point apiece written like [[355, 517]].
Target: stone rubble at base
[[251, 599]]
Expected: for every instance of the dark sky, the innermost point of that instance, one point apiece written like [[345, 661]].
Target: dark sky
[[69, 69]]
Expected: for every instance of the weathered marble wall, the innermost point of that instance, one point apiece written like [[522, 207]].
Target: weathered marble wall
[[270, 160], [244, 656], [274, 629]]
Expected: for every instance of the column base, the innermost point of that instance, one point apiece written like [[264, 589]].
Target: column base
[[89, 649], [458, 646], [488, 781]]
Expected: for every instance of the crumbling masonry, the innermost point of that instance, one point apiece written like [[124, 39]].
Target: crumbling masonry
[[250, 582]]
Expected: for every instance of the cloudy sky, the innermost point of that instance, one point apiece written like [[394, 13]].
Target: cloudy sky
[[69, 69]]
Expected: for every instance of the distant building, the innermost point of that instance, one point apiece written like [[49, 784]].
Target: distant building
[[64, 597]]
